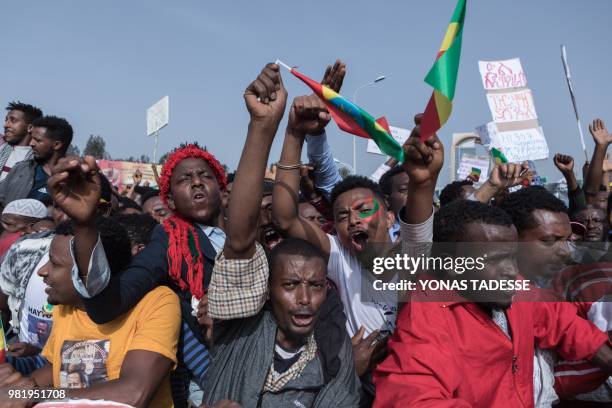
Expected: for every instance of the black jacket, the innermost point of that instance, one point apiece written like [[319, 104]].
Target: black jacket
[[148, 270]]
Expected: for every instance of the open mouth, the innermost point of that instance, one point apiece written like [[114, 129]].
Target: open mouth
[[199, 197], [359, 239], [302, 319], [271, 237]]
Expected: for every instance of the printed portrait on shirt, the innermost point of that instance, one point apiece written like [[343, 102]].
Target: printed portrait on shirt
[[83, 363]]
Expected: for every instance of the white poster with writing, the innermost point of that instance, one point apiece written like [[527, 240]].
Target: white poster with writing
[[512, 106], [521, 145], [505, 74]]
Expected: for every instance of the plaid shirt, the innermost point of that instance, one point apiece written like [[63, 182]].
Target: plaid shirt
[[238, 287]]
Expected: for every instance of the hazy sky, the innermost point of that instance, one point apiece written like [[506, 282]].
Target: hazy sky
[[100, 64]]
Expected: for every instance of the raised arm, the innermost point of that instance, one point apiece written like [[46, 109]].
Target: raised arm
[[503, 176], [423, 162], [565, 164], [75, 188], [265, 100], [308, 115], [326, 174], [602, 140]]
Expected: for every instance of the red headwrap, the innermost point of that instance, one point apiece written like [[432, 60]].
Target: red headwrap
[[183, 243]]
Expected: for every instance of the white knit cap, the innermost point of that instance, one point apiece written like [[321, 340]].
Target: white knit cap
[[27, 208]]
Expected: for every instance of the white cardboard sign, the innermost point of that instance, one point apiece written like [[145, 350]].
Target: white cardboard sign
[[470, 160], [505, 74], [157, 115], [512, 106]]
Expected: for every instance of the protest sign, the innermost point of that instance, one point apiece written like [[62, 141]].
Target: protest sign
[[157, 115], [120, 173], [505, 74], [470, 162], [516, 145], [512, 106], [398, 134]]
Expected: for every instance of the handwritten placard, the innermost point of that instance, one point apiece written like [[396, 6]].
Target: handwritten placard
[[471, 161], [521, 145], [399, 134], [505, 74], [512, 106]]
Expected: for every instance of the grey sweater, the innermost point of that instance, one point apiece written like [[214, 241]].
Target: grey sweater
[[243, 354]]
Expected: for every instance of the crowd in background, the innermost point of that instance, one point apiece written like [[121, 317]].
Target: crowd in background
[[254, 288]]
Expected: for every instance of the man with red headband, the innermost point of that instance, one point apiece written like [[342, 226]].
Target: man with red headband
[[182, 250]]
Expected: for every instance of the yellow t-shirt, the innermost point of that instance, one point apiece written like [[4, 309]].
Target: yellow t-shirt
[[84, 353]]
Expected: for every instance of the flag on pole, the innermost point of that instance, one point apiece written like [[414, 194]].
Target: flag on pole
[[498, 156], [352, 119], [443, 76]]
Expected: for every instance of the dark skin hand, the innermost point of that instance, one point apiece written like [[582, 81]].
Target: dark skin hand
[[22, 350], [308, 114], [423, 162], [603, 358], [74, 186], [367, 351], [503, 176], [265, 100], [602, 140], [565, 164], [130, 388]]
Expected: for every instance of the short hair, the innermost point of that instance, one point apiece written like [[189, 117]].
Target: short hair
[[148, 195], [30, 112], [114, 239], [352, 182], [450, 221], [386, 180], [125, 203], [521, 204], [268, 187], [58, 129], [142, 190], [139, 227], [230, 177], [295, 247], [453, 192]]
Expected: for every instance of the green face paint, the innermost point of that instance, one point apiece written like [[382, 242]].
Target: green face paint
[[373, 211]]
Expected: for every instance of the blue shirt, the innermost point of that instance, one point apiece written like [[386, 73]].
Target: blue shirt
[[39, 188]]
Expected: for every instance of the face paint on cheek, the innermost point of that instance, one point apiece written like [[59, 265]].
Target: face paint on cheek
[[369, 215]]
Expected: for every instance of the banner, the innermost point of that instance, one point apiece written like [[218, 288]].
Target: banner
[[120, 173], [516, 145], [515, 130]]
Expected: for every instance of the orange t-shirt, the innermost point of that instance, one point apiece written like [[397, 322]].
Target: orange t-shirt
[[84, 353]]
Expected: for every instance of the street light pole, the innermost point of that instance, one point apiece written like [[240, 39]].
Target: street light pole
[[377, 80]]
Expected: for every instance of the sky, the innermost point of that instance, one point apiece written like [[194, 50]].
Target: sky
[[102, 64]]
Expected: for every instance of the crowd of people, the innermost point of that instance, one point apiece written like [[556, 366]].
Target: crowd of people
[[255, 288]]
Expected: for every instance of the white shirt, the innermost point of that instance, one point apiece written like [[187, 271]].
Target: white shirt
[[19, 154], [364, 306], [36, 313]]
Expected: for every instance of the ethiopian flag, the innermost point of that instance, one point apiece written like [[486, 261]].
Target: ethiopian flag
[[443, 76], [352, 119], [498, 156]]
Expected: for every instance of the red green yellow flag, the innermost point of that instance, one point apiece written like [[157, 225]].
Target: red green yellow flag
[[443, 76], [498, 156], [352, 119]]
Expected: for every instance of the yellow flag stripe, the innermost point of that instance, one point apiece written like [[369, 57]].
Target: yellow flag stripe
[[450, 36]]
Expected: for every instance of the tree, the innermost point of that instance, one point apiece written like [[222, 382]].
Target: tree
[[73, 150], [96, 147]]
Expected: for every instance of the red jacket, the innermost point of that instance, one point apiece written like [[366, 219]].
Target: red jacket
[[452, 354]]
